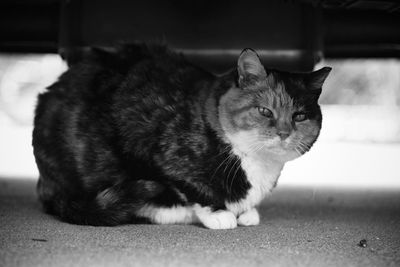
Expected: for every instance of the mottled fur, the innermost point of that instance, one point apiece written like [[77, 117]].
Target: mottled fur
[[141, 135]]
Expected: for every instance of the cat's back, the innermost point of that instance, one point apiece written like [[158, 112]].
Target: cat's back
[[107, 86], [101, 72], [95, 79]]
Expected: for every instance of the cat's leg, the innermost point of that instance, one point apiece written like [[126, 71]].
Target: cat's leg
[[249, 217], [168, 215], [220, 219]]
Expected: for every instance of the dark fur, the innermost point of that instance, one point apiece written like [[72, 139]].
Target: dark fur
[[131, 127]]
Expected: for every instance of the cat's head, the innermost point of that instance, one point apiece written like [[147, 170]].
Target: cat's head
[[271, 112]]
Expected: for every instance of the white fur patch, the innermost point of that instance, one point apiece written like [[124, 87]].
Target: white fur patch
[[262, 171], [173, 215], [248, 218], [220, 219]]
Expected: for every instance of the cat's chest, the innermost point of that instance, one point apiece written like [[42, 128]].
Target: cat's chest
[[262, 176]]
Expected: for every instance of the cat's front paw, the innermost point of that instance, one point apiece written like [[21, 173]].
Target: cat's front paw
[[248, 218], [220, 219]]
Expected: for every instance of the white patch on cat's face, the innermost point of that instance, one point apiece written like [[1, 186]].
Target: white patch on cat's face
[[173, 215], [249, 143]]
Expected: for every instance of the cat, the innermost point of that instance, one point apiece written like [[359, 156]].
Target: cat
[[141, 135]]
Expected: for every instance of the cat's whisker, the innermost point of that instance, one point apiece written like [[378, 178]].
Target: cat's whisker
[[298, 152], [237, 169], [259, 146], [255, 144], [231, 158], [308, 147], [304, 146], [232, 166], [226, 160], [233, 177], [223, 151], [302, 149]]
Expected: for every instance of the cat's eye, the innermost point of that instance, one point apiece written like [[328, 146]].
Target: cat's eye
[[298, 117], [265, 112]]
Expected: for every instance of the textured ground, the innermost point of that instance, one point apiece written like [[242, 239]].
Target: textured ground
[[299, 227]]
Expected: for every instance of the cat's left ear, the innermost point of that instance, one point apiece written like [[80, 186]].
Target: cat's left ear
[[250, 69], [316, 79]]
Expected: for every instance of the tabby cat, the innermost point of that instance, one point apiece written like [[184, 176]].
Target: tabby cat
[[139, 134]]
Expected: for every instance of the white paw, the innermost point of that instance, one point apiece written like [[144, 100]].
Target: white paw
[[220, 219], [248, 218]]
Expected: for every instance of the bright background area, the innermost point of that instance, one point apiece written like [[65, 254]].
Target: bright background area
[[359, 144]]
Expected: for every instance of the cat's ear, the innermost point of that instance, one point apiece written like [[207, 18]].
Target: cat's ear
[[250, 69], [314, 80]]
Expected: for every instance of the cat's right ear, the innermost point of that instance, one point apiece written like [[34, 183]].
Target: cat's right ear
[[314, 80], [250, 69]]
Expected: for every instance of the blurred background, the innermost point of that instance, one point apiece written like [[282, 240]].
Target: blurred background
[[359, 144]]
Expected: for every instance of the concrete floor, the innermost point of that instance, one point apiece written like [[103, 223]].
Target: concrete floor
[[300, 227]]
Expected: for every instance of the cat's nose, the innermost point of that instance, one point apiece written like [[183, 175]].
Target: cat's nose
[[283, 135]]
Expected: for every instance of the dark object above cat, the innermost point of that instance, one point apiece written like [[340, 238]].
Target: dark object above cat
[[142, 135]]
